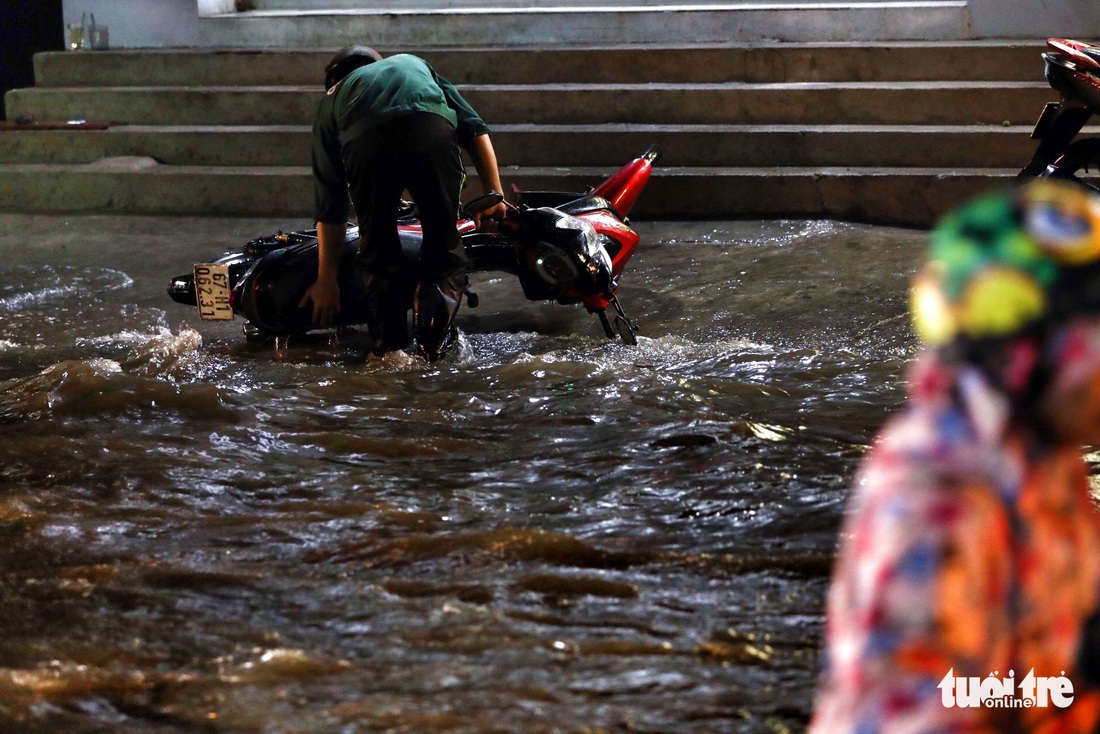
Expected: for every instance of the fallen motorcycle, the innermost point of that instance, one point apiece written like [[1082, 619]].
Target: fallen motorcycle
[[565, 247], [1073, 69]]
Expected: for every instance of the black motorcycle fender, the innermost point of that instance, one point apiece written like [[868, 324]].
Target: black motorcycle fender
[[181, 289], [1046, 119], [1055, 130]]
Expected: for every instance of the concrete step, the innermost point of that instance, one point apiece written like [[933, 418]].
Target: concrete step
[[315, 5], [878, 132], [771, 63], [909, 197], [958, 146], [865, 103], [550, 24]]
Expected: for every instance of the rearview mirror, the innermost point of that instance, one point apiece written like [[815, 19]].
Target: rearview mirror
[[481, 203]]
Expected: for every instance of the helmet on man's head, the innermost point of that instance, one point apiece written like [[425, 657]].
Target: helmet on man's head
[[1008, 262], [347, 60]]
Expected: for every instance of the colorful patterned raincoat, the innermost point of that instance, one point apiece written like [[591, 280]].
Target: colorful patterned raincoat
[[971, 551]]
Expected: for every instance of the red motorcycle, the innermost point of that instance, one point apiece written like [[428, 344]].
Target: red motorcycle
[[1073, 69], [564, 247]]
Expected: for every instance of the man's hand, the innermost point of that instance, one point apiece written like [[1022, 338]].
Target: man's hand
[[325, 295], [325, 291], [492, 214]]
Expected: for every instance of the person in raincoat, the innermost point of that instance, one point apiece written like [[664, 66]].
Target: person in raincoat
[[967, 585]]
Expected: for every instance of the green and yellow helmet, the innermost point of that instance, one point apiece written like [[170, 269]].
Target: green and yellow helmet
[[1008, 261]]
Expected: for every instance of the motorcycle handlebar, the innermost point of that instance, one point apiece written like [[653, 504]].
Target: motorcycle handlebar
[[481, 203]]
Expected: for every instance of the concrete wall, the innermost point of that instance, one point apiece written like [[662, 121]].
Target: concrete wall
[[145, 24], [161, 23], [1035, 19], [27, 29], [213, 7]]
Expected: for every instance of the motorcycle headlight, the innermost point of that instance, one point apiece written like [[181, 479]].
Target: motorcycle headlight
[[569, 249], [554, 265]]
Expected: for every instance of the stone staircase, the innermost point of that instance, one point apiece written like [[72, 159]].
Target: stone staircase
[[883, 132]]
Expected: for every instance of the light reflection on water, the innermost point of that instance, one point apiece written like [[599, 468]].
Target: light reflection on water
[[547, 532]]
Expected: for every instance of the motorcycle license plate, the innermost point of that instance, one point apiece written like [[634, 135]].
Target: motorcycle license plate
[[212, 292]]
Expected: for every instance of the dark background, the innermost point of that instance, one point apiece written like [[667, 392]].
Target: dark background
[[26, 27]]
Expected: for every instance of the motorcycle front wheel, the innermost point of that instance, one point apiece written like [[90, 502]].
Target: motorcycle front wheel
[[1080, 164]]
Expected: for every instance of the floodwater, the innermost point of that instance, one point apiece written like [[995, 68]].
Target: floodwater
[[548, 532]]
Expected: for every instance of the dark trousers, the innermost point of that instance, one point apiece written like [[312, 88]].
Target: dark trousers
[[418, 152]]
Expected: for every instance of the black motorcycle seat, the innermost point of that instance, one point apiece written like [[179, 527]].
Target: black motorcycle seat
[[565, 201], [585, 204], [411, 242]]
